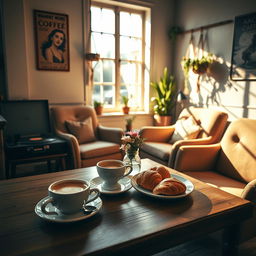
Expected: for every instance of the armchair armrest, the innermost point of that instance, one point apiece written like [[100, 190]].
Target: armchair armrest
[[110, 134], [74, 145], [157, 133], [187, 157], [249, 191], [178, 144]]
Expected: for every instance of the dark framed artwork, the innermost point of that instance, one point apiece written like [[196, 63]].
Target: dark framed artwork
[[243, 62], [51, 41]]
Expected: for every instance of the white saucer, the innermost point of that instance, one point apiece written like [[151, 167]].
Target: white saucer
[[124, 182], [60, 217]]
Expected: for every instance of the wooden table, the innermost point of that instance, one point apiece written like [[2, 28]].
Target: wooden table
[[128, 224]]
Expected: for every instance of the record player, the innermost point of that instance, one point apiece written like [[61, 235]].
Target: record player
[[28, 133]]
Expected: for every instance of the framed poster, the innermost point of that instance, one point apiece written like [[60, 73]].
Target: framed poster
[[51, 41], [243, 62]]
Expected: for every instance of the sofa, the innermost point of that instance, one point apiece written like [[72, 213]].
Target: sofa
[[194, 126], [229, 165]]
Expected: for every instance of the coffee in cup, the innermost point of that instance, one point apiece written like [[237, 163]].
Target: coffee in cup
[[68, 196], [111, 171]]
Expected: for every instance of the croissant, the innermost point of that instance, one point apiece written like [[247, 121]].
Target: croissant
[[170, 187], [148, 179], [163, 172]]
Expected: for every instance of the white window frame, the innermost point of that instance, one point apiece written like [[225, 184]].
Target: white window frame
[[145, 11]]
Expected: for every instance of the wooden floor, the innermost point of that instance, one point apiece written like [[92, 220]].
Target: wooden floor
[[208, 246]]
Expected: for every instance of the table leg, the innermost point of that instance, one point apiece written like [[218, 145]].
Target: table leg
[[230, 240]]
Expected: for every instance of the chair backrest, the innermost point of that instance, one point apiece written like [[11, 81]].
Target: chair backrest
[[61, 114], [213, 122], [237, 158]]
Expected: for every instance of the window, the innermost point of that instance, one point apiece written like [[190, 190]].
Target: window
[[118, 35]]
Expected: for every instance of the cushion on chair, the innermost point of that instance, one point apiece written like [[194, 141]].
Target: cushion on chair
[[185, 129], [238, 151], [158, 149], [98, 148], [219, 181], [83, 131]]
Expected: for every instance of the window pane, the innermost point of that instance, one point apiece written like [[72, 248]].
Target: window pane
[[97, 71], [103, 44], [109, 95], [125, 23], [130, 73], [96, 96], [130, 24], [108, 71], [130, 48], [102, 20]]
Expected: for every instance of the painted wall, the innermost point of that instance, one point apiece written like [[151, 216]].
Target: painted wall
[[24, 81], [238, 99]]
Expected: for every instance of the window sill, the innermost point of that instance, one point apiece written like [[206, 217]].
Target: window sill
[[120, 114]]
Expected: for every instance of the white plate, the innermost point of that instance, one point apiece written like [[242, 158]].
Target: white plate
[[188, 183], [124, 182], [60, 217]]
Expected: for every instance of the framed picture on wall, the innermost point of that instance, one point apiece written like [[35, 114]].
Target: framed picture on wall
[[243, 62], [51, 41]]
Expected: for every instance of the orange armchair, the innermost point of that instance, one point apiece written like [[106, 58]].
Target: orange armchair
[[229, 165], [159, 146], [89, 141]]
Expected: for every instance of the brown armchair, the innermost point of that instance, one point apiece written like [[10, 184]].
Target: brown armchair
[[229, 165], [159, 146], [89, 141]]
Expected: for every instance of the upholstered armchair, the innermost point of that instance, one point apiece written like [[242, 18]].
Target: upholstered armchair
[[89, 141], [229, 165], [195, 126]]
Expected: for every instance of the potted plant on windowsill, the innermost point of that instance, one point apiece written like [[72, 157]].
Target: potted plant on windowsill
[[126, 108], [98, 106], [165, 101]]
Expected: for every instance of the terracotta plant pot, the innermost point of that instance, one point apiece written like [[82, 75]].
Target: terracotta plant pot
[[99, 110], [126, 110], [162, 120]]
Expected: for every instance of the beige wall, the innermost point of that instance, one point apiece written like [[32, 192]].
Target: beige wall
[[236, 98], [24, 81]]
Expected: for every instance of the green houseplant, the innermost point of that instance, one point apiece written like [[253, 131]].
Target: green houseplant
[[98, 106], [126, 108], [165, 99]]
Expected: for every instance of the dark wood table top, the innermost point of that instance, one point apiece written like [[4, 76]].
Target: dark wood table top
[[127, 224]]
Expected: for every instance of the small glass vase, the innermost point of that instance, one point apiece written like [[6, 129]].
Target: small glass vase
[[133, 158]]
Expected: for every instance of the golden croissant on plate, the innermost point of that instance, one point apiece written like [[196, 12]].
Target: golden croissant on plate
[[170, 187], [148, 179]]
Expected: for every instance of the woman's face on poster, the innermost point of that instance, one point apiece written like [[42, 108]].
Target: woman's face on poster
[[58, 38]]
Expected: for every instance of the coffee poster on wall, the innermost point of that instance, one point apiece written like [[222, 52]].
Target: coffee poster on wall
[[51, 41], [243, 62]]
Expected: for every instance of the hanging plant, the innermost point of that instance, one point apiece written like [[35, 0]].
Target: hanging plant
[[198, 65]]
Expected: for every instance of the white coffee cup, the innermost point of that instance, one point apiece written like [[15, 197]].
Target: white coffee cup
[[69, 195], [111, 171]]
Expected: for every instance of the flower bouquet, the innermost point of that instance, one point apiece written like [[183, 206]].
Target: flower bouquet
[[131, 143]]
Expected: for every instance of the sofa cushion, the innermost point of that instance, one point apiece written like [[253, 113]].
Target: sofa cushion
[[219, 181], [98, 148], [185, 129], [158, 149], [83, 131], [237, 158]]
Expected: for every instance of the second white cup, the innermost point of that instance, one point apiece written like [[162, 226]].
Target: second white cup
[[111, 171]]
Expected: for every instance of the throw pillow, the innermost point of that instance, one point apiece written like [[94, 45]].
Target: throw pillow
[[185, 129], [83, 131]]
